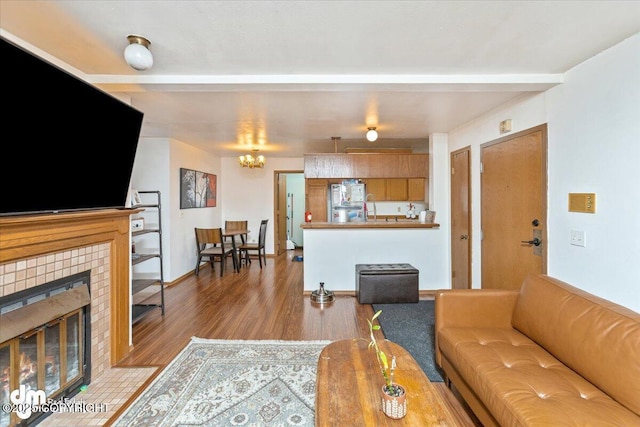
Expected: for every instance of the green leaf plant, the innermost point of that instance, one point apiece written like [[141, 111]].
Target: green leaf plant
[[387, 367]]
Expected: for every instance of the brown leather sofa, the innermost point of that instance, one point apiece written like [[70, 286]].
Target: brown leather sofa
[[547, 355]]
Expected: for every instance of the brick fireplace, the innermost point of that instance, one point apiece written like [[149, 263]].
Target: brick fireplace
[[41, 248]]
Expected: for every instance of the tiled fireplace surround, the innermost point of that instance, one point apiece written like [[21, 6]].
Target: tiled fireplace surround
[[34, 271], [37, 249]]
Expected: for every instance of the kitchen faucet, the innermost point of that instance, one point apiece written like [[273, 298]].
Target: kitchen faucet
[[375, 213]]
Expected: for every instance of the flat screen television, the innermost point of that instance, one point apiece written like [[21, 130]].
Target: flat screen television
[[66, 145]]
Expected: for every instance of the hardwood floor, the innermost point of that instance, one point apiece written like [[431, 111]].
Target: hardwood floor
[[255, 304]]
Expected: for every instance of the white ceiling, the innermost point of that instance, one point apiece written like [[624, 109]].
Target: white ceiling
[[288, 75]]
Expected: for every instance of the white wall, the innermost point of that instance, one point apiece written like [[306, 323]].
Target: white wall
[[593, 146], [594, 134], [157, 167], [183, 221], [248, 193], [440, 203]]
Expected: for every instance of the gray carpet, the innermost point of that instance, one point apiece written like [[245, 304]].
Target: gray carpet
[[412, 325]]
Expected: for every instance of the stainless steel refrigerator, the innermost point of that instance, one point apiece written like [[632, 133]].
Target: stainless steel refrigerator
[[347, 202]]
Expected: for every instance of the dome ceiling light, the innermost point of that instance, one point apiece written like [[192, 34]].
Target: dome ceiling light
[[137, 54], [372, 135]]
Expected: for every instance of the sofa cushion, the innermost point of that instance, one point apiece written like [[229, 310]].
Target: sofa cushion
[[593, 336], [522, 384]]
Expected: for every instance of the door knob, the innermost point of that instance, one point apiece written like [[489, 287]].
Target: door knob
[[464, 237], [534, 242]]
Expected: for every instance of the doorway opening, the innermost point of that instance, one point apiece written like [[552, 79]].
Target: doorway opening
[[289, 210]]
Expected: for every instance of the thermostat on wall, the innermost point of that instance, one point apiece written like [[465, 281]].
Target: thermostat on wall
[[137, 224]]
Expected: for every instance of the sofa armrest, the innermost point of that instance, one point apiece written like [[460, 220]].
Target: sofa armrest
[[473, 308]]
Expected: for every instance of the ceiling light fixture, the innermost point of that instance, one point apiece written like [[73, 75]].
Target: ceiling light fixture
[[137, 54], [372, 135], [252, 160]]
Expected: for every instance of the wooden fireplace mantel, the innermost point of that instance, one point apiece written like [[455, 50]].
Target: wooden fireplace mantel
[[34, 235]]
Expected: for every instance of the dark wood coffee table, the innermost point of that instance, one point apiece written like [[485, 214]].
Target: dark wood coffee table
[[349, 383]]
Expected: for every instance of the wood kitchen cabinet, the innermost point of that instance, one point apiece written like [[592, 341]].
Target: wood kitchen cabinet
[[366, 165], [377, 187], [416, 189], [316, 198], [396, 189]]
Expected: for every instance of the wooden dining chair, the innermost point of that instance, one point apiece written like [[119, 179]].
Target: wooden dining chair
[[257, 247], [210, 245], [236, 225]]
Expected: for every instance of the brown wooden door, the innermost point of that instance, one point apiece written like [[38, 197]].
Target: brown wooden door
[[317, 190], [280, 229], [460, 220], [514, 187]]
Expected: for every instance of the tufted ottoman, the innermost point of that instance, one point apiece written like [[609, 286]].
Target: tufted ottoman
[[386, 283]]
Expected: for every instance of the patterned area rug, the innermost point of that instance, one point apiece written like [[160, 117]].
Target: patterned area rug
[[232, 383]]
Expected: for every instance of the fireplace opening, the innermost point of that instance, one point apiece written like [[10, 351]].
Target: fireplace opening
[[45, 342]]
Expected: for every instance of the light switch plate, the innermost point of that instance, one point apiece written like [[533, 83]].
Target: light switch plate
[[578, 238], [137, 224]]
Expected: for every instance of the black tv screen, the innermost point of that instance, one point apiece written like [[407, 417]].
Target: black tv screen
[[66, 144]]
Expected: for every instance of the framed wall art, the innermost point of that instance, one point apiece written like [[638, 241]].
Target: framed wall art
[[197, 189]]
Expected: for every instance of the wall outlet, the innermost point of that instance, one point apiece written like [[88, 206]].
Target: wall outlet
[[399, 208], [578, 238]]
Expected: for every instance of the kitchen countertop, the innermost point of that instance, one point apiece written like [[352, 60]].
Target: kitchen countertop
[[369, 224]]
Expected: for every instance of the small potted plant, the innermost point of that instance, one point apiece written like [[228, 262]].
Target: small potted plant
[[394, 397]]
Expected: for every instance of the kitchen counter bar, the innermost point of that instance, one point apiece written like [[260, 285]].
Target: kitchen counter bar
[[332, 251], [368, 224]]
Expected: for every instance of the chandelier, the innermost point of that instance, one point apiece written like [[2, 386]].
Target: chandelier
[[252, 160]]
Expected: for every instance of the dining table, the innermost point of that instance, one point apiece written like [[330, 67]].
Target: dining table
[[233, 233]]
